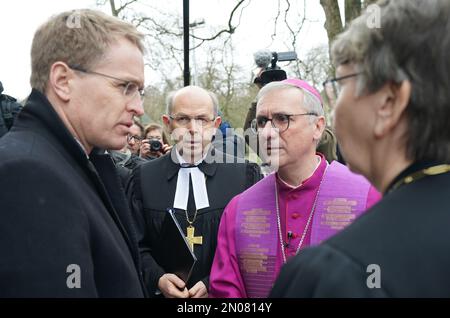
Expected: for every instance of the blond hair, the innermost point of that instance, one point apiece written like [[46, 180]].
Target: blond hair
[[78, 38]]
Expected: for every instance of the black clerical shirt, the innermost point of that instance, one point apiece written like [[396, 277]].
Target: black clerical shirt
[[152, 190]]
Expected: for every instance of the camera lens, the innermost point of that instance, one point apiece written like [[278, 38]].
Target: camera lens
[[155, 145]]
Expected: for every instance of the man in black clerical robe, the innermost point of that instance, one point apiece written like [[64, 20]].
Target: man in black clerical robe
[[391, 121], [196, 181]]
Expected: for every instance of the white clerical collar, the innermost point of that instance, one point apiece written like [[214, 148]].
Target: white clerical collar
[[198, 184]]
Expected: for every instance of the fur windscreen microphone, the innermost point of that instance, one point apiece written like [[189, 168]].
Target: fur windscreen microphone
[[263, 58]]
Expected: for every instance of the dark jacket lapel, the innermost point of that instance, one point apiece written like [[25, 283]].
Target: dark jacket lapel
[[99, 171]]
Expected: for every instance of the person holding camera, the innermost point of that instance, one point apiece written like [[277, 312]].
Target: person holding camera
[[155, 143]]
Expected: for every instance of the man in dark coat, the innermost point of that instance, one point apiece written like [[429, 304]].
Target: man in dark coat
[[392, 105], [65, 227], [197, 181]]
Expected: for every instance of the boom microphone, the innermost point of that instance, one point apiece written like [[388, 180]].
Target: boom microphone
[[263, 58]]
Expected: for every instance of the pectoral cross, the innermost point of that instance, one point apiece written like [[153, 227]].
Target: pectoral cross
[[193, 239]]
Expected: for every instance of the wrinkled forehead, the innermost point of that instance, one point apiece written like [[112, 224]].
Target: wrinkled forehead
[[193, 102], [282, 100]]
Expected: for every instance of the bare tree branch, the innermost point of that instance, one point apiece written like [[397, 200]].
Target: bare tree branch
[[295, 33], [113, 8], [231, 29], [125, 5], [274, 34], [242, 11], [160, 29]]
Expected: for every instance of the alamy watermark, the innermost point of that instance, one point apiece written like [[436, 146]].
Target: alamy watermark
[[74, 278], [373, 20], [229, 149], [374, 279], [74, 21]]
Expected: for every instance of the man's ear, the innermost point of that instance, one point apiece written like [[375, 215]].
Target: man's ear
[[166, 121], [394, 98], [217, 121], [319, 127], [59, 80]]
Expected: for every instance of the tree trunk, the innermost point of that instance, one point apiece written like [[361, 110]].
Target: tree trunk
[[113, 8], [352, 10], [333, 23]]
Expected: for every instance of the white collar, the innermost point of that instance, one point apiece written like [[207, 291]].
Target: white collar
[[198, 184]]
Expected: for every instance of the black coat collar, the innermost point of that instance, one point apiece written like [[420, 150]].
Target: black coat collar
[[49, 125], [39, 116]]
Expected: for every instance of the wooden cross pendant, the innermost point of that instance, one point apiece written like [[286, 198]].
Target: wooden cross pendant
[[193, 239]]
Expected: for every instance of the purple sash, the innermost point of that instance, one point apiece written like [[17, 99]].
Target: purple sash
[[342, 198]]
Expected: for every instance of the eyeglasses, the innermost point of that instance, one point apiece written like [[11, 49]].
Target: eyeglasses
[[333, 88], [184, 121], [130, 89], [134, 138], [280, 121]]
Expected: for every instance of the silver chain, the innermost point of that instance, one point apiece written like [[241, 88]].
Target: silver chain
[[307, 224]]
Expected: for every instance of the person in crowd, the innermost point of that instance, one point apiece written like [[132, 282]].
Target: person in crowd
[[72, 235], [135, 137], [327, 145], [196, 181], [155, 143], [392, 104], [306, 201]]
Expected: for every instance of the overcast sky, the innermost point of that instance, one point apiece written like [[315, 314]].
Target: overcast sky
[[20, 18]]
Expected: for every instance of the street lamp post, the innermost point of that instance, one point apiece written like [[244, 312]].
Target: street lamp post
[[186, 26], [193, 25], [186, 74]]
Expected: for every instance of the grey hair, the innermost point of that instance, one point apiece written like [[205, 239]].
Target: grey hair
[[310, 102], [411, 44], [171, 95]]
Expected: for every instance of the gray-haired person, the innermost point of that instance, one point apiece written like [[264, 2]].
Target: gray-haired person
[[392, 105]]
